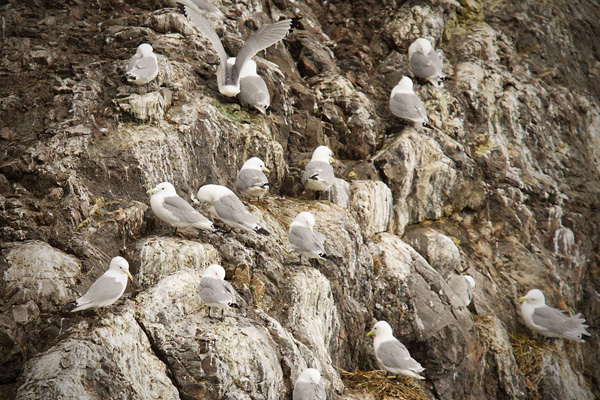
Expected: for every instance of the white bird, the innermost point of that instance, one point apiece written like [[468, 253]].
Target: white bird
[[253, 89], [251, 180], [426, 63], [108, 288], [405, 104], [304, 239], [199, 6], [318, 173], [214, 290], [226, 206], [228, 73], [175, 211], [143, 66], [463, 286], [393, 355], [309, 386], [549, 321]]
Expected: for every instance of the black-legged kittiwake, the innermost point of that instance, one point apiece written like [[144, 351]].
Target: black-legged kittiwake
[[318, 173], [462, 286], [253, 89], [251, 180], [425, 62], [199, 6], [143, 66], [228, 73], [108, 288], [310, 386], [226, 206], [405, 104], [549, 321], [215, 291], [393, 355], [175, 211], [304, 239]]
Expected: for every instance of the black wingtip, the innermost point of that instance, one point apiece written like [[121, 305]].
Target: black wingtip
[[325, 256], [427, 126], [233, 305], [262, 231], [296, 23]]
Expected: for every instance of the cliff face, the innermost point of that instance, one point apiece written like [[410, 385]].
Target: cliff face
[[506, 188]]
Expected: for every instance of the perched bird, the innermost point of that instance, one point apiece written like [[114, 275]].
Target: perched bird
[[174, 210], [229, 73], [226, 206], [405, 104], [318, 173], [253, 89], [304, 239], [463, 286], [108, 288], [425, 63], [199, 6], [251, 180], [309, 386], [143, 66], [549, 321], [215, 291], [393, 355]]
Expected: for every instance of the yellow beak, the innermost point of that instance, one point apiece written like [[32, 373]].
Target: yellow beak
[[331, 159], [370, 333], [151, 191], [522, 299], [266, 170]]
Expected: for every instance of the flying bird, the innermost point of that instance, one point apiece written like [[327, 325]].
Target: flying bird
[[318, 173], [425, 62], [230, 70], [108, 288], [405, 104], [309, 386], [226, 206], [251, 180], [549, 321], [393, 355], [215, 291], [199, 6], [304, 239], [175, 211], [143, 66]]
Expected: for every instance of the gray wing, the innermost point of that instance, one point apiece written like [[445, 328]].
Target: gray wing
[[408, 106], [556, 321], [144, 67], [394, 354], [304, 239], [309, 391], [213, 290], [183, 211], [207, 30], [426, 66], [254, 92], [132, 61], [249, 178], [104, 289], [318, 170], [198, 6], [232, 209], [265, 37]]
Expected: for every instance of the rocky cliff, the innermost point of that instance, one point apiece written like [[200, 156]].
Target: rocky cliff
[[506, 188]]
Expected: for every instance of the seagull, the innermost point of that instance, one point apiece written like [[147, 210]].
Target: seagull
[[226, 206], [143, 66], [199, 6], [425, 63], [108, 288], [393, 355], [304, 239], [309, 386], [463, 286], [405, 104], [229, 70], [318, 173], [174, 210], [251, 180], [253, 89], [549, 321], [215, 291]]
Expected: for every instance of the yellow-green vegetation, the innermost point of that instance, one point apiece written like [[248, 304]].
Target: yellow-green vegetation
[[380, 387], [529, 354]]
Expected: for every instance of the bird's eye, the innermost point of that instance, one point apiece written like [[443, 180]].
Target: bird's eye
[[162, 188]]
